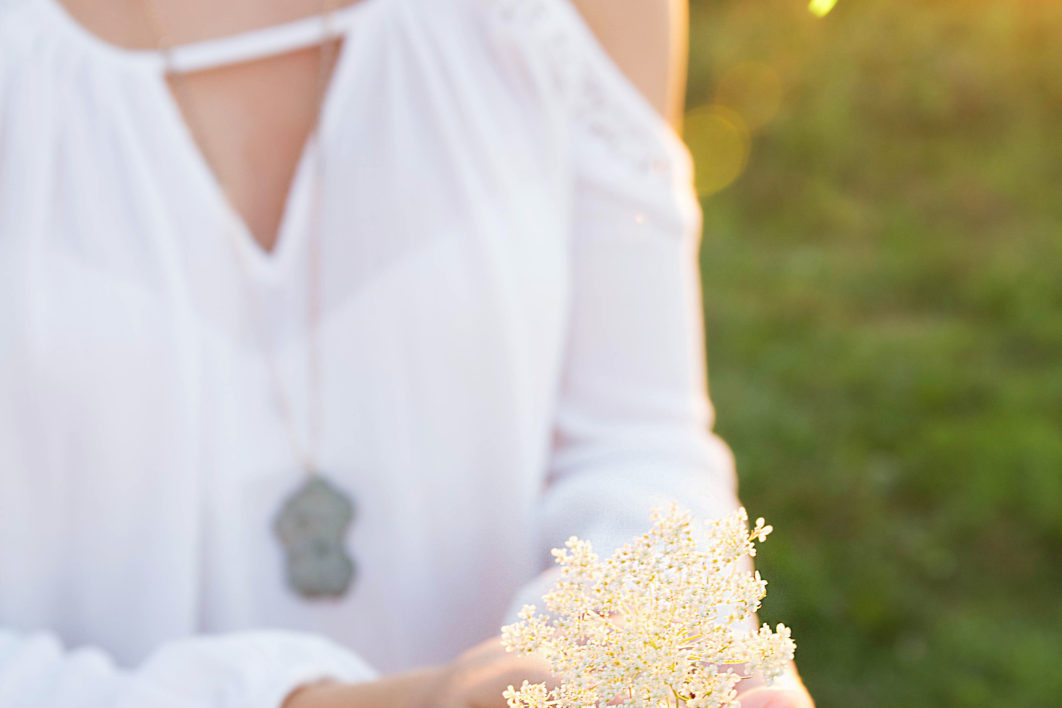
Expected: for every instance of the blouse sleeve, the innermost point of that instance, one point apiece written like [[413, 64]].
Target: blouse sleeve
[[634, 422], [241, 670]]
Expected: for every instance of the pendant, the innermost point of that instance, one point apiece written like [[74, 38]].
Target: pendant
[[311, 526]]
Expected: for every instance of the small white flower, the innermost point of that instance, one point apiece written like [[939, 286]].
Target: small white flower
[[652, 625]]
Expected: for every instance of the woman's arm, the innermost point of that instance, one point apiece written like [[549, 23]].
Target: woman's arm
[[475, 679], [254, 668], [634, 422]]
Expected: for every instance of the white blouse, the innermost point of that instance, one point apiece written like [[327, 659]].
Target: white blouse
[[511, 335]]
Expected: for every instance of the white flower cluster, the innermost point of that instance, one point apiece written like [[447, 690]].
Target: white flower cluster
[[663, 622]]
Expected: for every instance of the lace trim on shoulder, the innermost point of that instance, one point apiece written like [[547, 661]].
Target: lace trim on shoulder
[[597, 93]]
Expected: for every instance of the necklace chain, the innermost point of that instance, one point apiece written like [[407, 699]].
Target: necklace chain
[[303, 450]]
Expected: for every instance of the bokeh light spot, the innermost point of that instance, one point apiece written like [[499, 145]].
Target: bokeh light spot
[[719, 141], [821, 7]]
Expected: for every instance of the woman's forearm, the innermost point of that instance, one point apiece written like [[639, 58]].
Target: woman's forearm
[[412, 689]]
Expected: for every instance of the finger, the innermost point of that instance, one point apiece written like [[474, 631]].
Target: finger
[[776, 698], [484, 682]]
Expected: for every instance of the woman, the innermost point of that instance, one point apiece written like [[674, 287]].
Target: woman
[[319, 326]]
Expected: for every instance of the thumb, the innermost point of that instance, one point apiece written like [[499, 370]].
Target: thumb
[[769, 697]]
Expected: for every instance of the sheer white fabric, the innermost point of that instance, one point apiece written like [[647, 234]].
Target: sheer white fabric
[[512, 339]]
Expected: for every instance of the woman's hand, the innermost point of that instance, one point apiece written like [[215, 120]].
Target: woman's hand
[[476, 679], [413, 689], [479, 676], [787, 691]]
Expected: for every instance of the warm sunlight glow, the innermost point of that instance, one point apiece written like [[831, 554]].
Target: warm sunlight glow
[[821, 7], [718, 138]]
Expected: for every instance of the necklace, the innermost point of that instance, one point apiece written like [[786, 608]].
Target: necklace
[[312, 521]]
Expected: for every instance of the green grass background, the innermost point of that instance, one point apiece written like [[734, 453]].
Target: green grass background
[[883, 302]]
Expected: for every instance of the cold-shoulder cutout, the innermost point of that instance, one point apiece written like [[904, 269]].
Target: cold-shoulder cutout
[[643, 38], [607, 108]]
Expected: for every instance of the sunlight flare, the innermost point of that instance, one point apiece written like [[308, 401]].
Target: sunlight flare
[[821, 7]]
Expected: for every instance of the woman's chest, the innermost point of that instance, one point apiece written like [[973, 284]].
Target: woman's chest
[[437, 191], [438, 242], [135, 339], [134, 349]]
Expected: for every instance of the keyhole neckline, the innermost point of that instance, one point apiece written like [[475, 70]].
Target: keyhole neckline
[[264, 264]]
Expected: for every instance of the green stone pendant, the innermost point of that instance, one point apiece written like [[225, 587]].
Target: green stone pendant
[[311, 526]]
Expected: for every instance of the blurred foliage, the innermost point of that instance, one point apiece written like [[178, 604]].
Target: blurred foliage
[[883, 297]]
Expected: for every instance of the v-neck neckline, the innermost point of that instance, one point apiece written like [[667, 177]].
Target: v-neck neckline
[[267, 263], [208, 187], [262, 42]]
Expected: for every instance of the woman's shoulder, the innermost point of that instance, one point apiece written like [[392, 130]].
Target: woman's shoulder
[[617, 84], [633, 45], [646, 40]]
